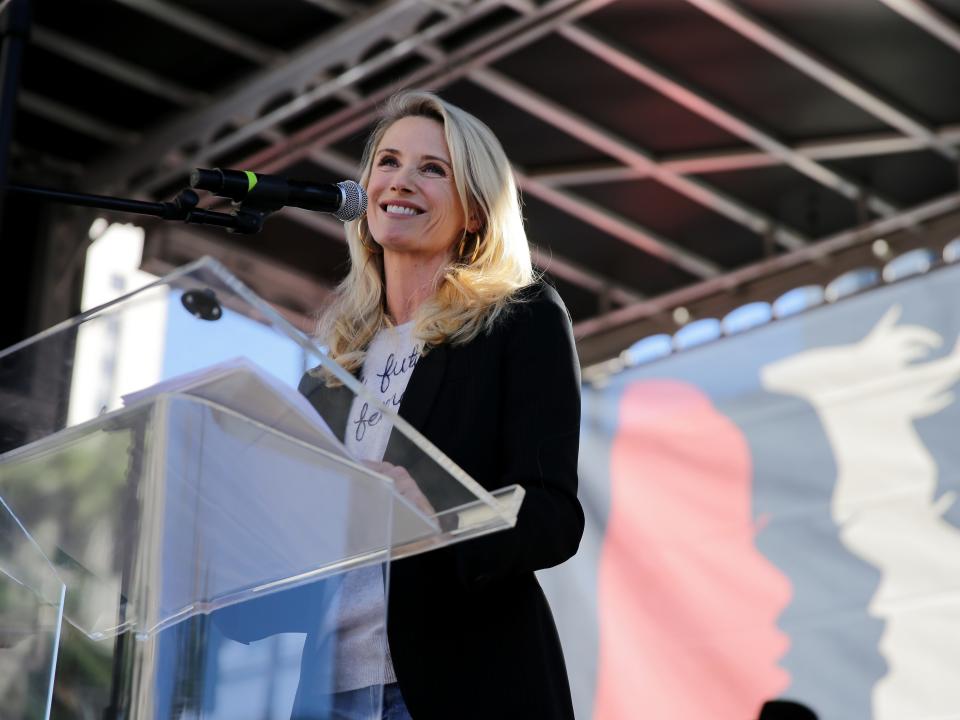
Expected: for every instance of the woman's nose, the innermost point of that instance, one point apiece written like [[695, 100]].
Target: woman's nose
[[402, 181]]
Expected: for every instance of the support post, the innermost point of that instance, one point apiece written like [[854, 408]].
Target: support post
[[14, 31]]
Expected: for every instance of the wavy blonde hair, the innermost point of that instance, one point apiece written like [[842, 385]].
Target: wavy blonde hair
[[486, 267]]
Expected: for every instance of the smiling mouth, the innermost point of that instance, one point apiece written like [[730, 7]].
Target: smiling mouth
[[391, 209]]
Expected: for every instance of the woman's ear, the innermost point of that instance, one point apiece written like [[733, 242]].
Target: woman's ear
[[473, 224]]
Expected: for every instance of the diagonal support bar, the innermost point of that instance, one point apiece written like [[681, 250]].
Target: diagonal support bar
[[297, 70], [789, 51], [605, 141], [630, 232], [930, 19], [206, 29], [696, 101], [836, 148], [115, 67], [76, 120], [824, 247]]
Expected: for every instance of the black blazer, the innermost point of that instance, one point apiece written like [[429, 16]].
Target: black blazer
[[471, 634]]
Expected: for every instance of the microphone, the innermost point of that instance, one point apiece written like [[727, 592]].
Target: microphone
[[346, 200]]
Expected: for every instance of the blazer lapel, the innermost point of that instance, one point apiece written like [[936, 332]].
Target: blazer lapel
[[419, 401], [333, 404], [423, 386]]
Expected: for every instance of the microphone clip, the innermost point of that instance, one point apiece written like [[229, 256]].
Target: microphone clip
[[246, 218]]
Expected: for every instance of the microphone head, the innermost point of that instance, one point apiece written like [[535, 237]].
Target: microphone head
[[354, 203]]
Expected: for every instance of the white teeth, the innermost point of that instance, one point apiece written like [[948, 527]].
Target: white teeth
[[401, 210]]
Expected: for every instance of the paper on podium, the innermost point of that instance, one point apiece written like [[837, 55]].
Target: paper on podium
[[240, 385]]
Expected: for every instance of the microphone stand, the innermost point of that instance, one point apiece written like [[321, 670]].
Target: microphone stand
[[246, 218]]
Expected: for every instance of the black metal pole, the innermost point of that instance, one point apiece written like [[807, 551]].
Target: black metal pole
[[14, 31], [183, 207]]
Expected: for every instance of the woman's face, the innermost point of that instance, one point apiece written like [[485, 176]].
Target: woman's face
[[414, 205]]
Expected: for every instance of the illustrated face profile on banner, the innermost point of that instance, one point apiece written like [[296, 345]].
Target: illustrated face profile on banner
[[773, 516]]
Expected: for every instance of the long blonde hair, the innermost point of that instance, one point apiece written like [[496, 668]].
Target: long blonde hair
[[487, 268]]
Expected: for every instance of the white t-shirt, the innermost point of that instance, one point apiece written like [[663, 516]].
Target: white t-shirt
[[391, 358]]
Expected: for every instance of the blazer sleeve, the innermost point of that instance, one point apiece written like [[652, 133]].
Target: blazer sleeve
[[539, 445]]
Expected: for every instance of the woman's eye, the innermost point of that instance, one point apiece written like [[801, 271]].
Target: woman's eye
[[387, 160], [434, 169]]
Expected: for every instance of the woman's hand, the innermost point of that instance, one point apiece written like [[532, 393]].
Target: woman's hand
[[405, 484]]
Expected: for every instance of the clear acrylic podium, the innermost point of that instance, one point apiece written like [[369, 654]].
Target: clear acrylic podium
[[181, 534]]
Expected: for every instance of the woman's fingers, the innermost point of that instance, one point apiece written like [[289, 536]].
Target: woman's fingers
[[404, 484]]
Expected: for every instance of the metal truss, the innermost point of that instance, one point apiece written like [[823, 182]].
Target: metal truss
[[603, 219], [619, 227], [196, 136], [605, 141], [334, 65], [704, 163], [788, 50], [76, 120], [206, 29], [114, 67], [817, 251], [931, 20], [608, 290], [712, 110], [344, 8], [439, 70]]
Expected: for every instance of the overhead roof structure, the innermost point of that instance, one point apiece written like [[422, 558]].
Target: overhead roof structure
[[668, 151]]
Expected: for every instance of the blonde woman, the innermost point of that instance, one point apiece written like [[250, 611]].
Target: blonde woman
[[441, 316]]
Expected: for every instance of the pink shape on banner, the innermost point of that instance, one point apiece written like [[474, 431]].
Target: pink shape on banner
[[688, 605]]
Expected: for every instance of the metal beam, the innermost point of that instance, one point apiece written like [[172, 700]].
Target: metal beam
[[619, 227], [114, 67], [206, 29], [349, 120], [342, 86], [300, 70], [712, 110], [352, 119], [343, 123], [32, 156], [624, 151], [812, 253], [582, 277], [338, 162], [500, 42], [930, 19], [344, 8], [709, 162], [791, 52], [75, 120]]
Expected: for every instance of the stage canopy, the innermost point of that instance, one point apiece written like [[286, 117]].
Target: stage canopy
[[661, 145]]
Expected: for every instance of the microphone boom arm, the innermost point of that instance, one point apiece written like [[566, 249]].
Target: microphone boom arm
[[183, 208], [254, 198]]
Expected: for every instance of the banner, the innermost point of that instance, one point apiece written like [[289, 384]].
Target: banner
[[774, 515]]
